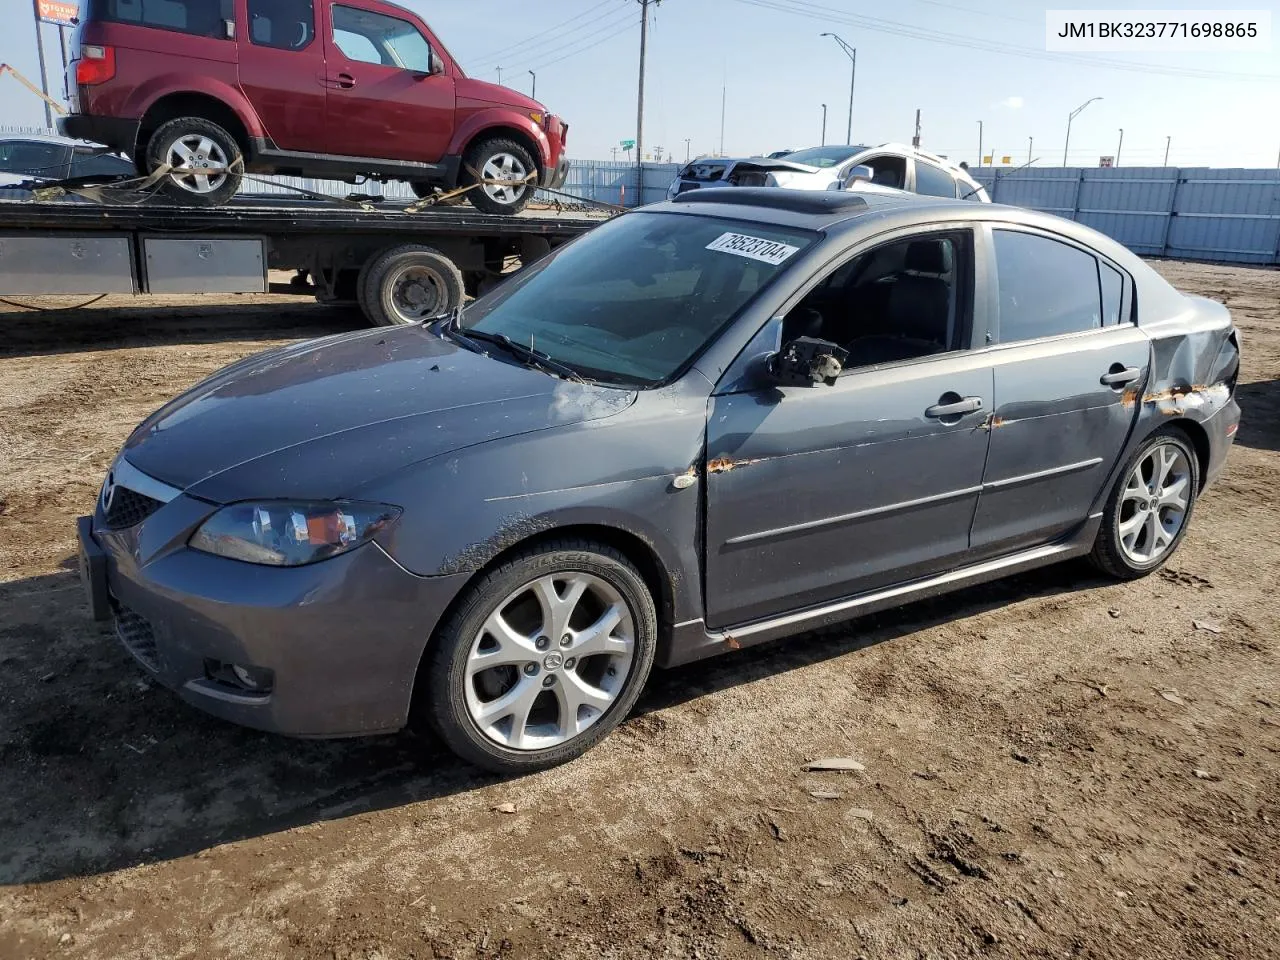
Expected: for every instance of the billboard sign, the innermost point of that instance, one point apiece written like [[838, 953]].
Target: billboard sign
[[58, 12]]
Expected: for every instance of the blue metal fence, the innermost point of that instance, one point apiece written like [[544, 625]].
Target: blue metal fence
[[1194, 213]]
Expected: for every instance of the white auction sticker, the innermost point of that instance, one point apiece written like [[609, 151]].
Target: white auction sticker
[[1150, 31], [757, 248]]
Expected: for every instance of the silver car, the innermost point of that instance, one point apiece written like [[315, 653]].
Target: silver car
[[893, 165]]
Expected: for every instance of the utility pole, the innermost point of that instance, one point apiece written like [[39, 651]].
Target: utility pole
[[1074, 113], [824, 125], [979, 143], [644, 43], [44, 73], [852, 54], [724, 93], [1168, 140], [1030, 141], [533, 94], [1121, 144], [687, 141], [915, 141], [62, 40], [499, 76]]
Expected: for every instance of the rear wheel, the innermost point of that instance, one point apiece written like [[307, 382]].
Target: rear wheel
[[544, 656], [506, 172], [207, 163], [408, 284], [1149, 508]]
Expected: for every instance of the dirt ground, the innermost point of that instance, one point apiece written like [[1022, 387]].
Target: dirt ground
[[1055, 766]]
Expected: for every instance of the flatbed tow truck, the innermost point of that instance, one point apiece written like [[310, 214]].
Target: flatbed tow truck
[[399, 262]]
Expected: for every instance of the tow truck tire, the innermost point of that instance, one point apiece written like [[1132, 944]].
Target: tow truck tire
[[503, 155], [408, 284], [205, 142]]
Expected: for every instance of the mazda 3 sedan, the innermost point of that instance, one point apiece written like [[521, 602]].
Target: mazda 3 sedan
[[703, 425]]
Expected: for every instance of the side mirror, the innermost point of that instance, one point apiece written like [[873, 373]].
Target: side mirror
[[806, 361], [437, 64], [860, 172]]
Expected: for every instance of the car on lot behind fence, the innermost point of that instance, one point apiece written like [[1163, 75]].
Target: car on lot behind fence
[[705, 424], [324, 88], [835, 168], [26, 158]]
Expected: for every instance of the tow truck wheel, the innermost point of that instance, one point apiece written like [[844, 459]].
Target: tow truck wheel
[[408, 284], [206, 161], [502, 167]]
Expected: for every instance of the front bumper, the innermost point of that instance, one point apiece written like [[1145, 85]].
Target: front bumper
[[342, 639], [118, 134], [554, 177]]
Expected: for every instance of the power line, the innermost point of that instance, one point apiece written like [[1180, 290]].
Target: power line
[[829, 14], [980, 13], [626, 27], [496, 55]]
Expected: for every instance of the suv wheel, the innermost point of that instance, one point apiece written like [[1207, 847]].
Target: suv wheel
[[542, 658], [1149, 508], [207, 161], [504, 168], [408, 284]]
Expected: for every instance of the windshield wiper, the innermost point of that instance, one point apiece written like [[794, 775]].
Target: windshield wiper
[[530, 356]]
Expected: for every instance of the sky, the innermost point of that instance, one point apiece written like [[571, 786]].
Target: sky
[[775, 70]]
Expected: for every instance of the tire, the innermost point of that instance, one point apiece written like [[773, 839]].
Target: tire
[[386, 288], [491, 159], [204, 142], [458, 691], [1128, 547]]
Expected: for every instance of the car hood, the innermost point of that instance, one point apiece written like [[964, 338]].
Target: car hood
[[719, 168], [481, 91], [322, 418]]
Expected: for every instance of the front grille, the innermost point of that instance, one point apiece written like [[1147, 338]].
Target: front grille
[[129, 508], [136, 633]]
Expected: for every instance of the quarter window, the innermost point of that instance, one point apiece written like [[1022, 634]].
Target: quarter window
[[932, 182], [201, 18], [369, 37], [283, 24], [1046, 287], [1112, 293]]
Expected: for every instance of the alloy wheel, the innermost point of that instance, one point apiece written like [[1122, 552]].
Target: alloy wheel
[[506, 167], [549, 661], [200, 165], [1153, 505]]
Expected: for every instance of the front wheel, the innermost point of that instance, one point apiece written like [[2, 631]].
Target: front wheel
[[206, 162], [544, 656], [1149, 508], [506, 173]]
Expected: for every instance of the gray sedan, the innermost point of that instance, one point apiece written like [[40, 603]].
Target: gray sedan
[[707, 424]]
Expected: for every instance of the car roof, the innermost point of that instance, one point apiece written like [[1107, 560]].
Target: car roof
[[807, 209], [50, 138]]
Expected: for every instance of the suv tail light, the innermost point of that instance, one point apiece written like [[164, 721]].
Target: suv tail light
[[96, 65]]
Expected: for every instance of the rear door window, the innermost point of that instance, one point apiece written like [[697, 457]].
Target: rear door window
[[1112, 294], [932, 182], [283, 24], [33, 157], [203, 18], [1046, 287]]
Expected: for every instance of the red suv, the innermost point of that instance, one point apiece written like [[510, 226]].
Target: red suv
[[316, 88]]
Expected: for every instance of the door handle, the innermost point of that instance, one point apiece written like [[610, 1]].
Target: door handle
[[1118, 376], [954, 408], [344, 81]]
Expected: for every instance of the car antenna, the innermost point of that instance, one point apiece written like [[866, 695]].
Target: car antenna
[[1005, 177]]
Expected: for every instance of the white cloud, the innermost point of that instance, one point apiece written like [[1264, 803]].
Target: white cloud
[[1013, 103]]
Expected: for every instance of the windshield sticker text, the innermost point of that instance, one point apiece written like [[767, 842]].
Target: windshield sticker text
[[757, 248]]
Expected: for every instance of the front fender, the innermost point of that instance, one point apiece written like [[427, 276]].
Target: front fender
[[147, 94], [481, 119]]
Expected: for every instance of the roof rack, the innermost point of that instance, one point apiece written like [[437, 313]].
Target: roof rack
[[797, 201]]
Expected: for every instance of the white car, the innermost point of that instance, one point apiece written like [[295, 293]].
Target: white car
[[892, 165]]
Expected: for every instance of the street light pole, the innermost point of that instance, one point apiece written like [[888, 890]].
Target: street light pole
[[1118, 146], [852, 54], [44, 73], [1167, 141], [979, 143], [533, 94], [1030, 141], [824, 125], [499, 76], [686, 149], [1074, 113]]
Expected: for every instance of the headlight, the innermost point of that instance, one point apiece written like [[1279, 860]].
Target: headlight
[[287, 534]]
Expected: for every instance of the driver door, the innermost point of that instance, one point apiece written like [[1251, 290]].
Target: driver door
[[820, 493]]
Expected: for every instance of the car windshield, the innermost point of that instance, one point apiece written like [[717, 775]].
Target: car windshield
[[823, 156], [637, 298]]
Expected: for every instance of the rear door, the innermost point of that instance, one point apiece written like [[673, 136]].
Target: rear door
[[1069, 367], [383, 98], [282, 71]]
